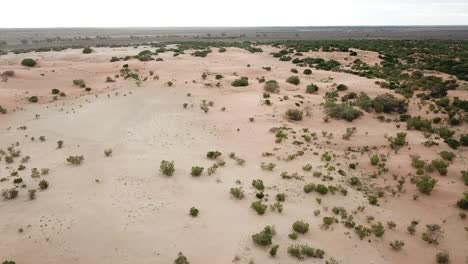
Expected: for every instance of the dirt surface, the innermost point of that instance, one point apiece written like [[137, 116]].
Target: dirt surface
[[121, 209]]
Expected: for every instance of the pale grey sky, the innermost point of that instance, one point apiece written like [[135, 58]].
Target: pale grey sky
[[192, 13]]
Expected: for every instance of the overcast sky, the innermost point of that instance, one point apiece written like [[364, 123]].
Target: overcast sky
[[192, 13]]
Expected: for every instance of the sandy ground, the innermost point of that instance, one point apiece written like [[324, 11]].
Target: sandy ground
[[120, 209]]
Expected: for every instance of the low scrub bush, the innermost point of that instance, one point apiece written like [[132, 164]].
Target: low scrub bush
[[264, 238], [28, 62], [75, 160], [241, 82], [294, 114], [293, 80], [167, 167]]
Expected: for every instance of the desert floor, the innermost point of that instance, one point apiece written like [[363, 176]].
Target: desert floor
[[121, 209]]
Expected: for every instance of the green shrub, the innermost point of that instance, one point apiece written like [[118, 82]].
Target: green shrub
[[342, 111], [55, 91], [213, 154], [397, 245], [75, 160], [307, 71], [310, 187], [388, 103], [264, 237], [441, 166], [465, 177], [378, 229], [80, 83], [425, 184], [167, 167], [194, 212], [197, 171], [43, 184], [398, 142], [374, 159], [237, 193], [271, 86], [274, 250], [322, 189], [10, 194], [293, 80], [33, 99], [342, 87], [243, 81], [181, 259], [447, 155], [463, 202], [300, 227], [259, 207], [443, 258], [87, 50], [294, 114], [452, 143], [28, 62], [464, 140], [312, 88], [258, 184], [418, 124]]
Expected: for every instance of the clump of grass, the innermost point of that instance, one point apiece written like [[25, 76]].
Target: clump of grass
[[463, 202], [43, 184], [10, 194], [302, 251], [167, 167]]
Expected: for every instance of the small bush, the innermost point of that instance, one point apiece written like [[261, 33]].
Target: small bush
[[300, 227], [425, 184], [87, 50], [197, 171], [442, 258], [374, 159], [307, 71], [194, 212], [264, 237], [258, 184], [294, 114], [181, 259], [10, 194], [274, 250], [259, 207], [167, 167], [397, 245], [342, 111], [293, 80], [55, 91], [463, 202], [342, 87], [80, 83], [447, 155], [28, 62], [322, 189], [213, 154], [441, 166], [312, 88], [75, 160], [237, 192], [243, 81], [43, 184], [271, 86], [33, 99]]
